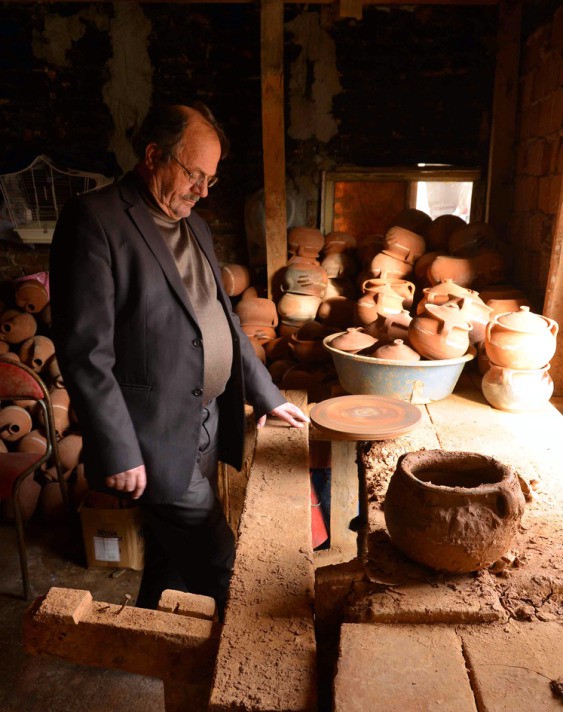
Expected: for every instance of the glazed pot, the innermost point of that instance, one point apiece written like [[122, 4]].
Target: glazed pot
[[304, 278], [400, 286], [235, 279], [31, 296], [467, 240], [521, 340], [442, 333], [36, 352], [397, 351], [353, 340], [443, 292], [15, 422], [516, 390], [305, 241], [439, 231], [386, 266], [16, 326], [404, 244], [339, 265], [257, 310], [412, 219], [453, 511], [298, 308]]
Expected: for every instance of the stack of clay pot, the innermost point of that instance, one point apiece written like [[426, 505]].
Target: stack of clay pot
[[24, 328], [259, 319], [519, 346], [340, 264], [236, 278]]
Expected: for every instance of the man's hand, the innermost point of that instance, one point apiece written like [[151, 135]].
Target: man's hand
[[133, 481], [288, 412]]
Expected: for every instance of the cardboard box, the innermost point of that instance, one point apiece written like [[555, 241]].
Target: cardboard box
[[113, 537]]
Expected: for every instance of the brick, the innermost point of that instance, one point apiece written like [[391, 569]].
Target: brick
[[410, 668], [530, 192], [558, 167], [539, 83], [511, 666], [67, 605], [188, 604], [556, 123], [545, 114]]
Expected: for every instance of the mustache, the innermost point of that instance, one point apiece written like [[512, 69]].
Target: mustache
[[191, 196]]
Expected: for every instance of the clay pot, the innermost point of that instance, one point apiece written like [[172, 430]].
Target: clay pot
[[489, 267], [51, 503], [339, 265], [441, 333], [262, 333], [308, 351], [453, 511], [340, 288], [15, 422], [477, 313], [4, 348], [31, 296], [516, 390], [420, 269], [34, 441], [443, 292], [521, 340], [287, 328], [439, 231], [502, 306], [404, 244], [9, 356], [483, 361], [313, 331], [304, 278], [257, 310], [353, 340], [338, 242], [386, 266], [29, 494], [258, 348], [278, 368], [468, 240], [460, 270], [45, 316], [254, 292], [298, 308], [337, 312], [55, 373], [70, 450], [397, 351], [395, 326], [276, 349], [305, 241], [400, 286], [235, 279], [412, 219], [368, 247], [60, 402], [36, 352], [500, 291], [16, 326]]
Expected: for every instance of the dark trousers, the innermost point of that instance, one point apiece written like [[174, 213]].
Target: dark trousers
[[188, 544]]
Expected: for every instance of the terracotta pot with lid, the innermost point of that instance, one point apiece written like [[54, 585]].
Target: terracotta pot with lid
[[517, 390], [441, 333], [443, 292]]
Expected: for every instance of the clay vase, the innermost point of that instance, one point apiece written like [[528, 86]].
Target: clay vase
[[336, 312], [353, 340], [15, 422], [386, 266], [453, 511], [404, 244], [304, 278], [257, 310], [338, 242], [397, 351], [516, 390], [36, 352], [305, 241], [413, 219], [339, 265], [443, 292], [298, 308], [502, 306], [468, 240], [16, 326], [442, 333], [439, 231], [477, 313], [458, 269], [31, 296], [521, 340], [235, 279], [400, 286]]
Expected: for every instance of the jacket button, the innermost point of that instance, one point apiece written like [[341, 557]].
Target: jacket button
[[197, 392], [197, 343]]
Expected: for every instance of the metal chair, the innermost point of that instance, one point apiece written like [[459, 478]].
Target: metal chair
[[18, 382]]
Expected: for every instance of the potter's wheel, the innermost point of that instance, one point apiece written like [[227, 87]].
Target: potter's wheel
[[364, 417]]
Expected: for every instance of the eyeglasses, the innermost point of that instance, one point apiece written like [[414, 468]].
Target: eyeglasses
[[198, 178]]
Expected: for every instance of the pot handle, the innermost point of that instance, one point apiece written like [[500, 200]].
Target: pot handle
[[553, 327], [488, 331], [506, 506]]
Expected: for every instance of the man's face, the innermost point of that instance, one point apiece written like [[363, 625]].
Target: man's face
[[174, 190]]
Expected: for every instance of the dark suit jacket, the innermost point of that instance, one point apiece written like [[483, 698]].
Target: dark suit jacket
[[130, 348]]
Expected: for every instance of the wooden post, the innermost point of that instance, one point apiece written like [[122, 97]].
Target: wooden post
[[273, 138], [553, 305], [503, 130]]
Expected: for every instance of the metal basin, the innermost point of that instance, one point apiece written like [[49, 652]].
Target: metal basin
[[418, 383]]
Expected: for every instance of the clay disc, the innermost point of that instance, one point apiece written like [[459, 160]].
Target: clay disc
[[365, 417]]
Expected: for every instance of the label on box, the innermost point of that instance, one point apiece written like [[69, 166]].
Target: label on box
[[106, 549]]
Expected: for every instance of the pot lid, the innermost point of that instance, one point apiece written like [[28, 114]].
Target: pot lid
[[353, 340], [523, 320]]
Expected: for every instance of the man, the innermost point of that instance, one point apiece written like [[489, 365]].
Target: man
[[155, 361]]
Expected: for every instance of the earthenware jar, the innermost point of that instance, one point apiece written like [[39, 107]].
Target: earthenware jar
[[502, 306], [396, 326], [516, 390], [337, 242], [397, 351], [16, 326], [420, 269], [441, 333], [31, 296], [235, 279], [412, 219], [308, 350], [353, 340], [339, 265], [439, 231], [314, 331], [36, 352], [467, 240], [336, 311], [305, 241], [458, 269], [298, 308], [400, 286], [477, 313], [489, 267], [276, 349], [404, 244], [387, 266], [262, 333], [521, 340], [15, 422], [257, 310], [302, 277], [453, 511], [70, 450], [443, 292]]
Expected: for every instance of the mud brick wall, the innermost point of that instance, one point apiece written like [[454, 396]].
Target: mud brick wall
[[539, 166]]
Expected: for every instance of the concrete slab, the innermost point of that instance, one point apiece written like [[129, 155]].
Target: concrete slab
[[401, 668], [512, 666]]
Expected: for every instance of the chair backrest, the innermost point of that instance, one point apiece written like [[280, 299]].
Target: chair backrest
[[18, 381]]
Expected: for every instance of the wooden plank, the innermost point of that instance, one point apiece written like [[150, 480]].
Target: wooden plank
[[344, 499], [503, 130], [273, 140], [553, 305]]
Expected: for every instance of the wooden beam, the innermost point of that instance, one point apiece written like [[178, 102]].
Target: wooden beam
[[273, 139], [500, 192], [553, 304]]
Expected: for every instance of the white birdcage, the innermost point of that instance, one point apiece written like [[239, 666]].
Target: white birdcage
[[34, 196]]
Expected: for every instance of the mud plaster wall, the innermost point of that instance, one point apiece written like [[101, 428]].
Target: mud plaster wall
[[539, 150], [401, 86]]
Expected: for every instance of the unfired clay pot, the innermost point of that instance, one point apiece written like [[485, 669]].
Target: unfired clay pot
[[262, 333], [353, 340], [477, 313], [305, 241], [257, 310], [337, 241], [401, 286], [298, 308], [453, 511], [336, 311], [16, 326], [443, 292], [368, 247], [441, 333], [258, 348], [235, 278], [458, 269], [339, 265], [404, 244], [521, 340], [304, 278], [340, 288], [34, 441], [439, 231], [502, 306], [31, 296], [420, 269], [387, 266], [397, 351], [308, 350], [517, 390], [467, 240]]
